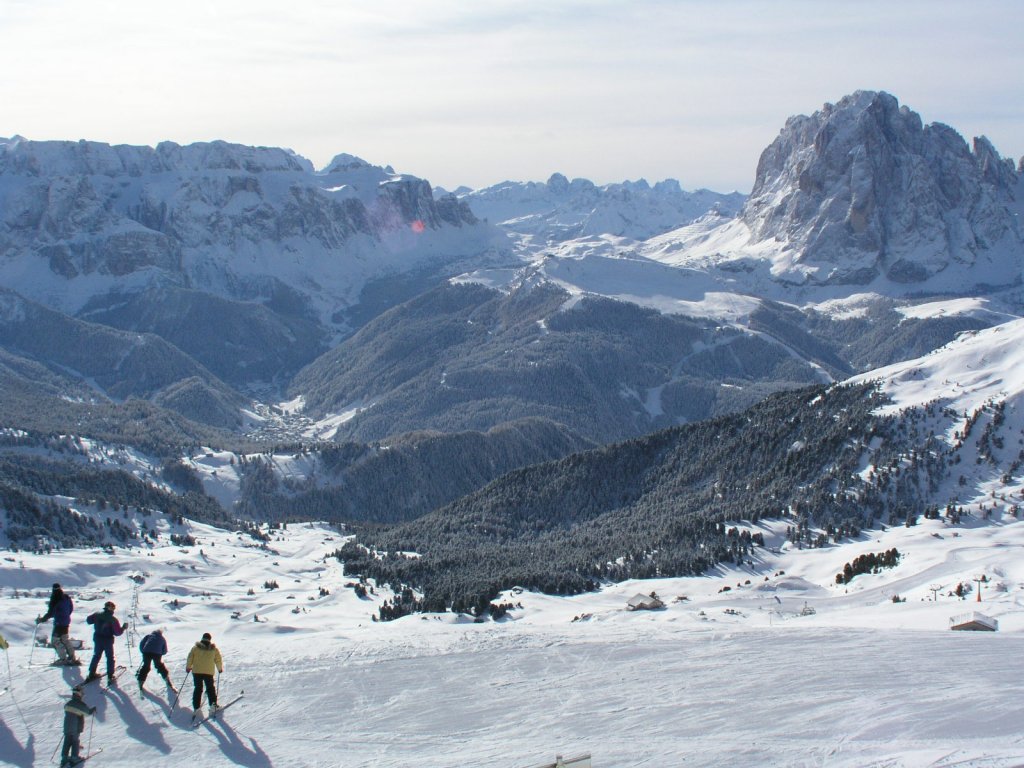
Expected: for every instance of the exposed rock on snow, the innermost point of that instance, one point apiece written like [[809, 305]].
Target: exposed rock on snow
[[78, 218], [862, 190]]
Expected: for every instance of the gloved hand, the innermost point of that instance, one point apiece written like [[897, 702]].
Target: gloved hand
[[188, 670], [92, 710]]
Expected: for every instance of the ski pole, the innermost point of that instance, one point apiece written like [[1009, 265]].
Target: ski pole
[[181, 685], [128, 645], [59, 742], [92, 722], [33, 649], [10, 677]]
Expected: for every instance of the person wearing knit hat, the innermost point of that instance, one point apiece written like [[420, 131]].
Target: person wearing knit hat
[[75, 710], [153, 647], [203, 660], [105, 628], [59, 609]]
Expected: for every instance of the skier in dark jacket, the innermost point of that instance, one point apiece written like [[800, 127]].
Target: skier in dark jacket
[[105, 628], [153, 647], [59, 609], [75, 711]]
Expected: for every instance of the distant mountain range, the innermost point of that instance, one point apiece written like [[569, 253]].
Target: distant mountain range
[[560, 209], [233, 300]]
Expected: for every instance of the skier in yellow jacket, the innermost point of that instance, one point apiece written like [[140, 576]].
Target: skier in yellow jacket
[[203, 660]]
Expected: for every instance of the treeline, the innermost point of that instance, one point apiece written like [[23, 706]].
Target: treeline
[[399, 480], [868, 563], [140, 424], [650, 507], [30, 482], [36, 524]]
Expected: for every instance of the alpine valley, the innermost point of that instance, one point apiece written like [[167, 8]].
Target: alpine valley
[[481, 420]]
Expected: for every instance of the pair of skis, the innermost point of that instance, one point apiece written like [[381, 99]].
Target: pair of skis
[[213, 715], [111, 680], [84, 758], [48, 664], [167, 682]]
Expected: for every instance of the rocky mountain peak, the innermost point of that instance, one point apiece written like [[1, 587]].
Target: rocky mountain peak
[[862, 189], [345, 162], [558, 184], [996, 170]]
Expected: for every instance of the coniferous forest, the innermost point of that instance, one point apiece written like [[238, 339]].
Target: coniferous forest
[[659, 505]]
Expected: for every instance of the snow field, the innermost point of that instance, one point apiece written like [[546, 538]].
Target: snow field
[[737, 678]]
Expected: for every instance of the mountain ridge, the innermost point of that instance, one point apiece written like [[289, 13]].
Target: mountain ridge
[[83, 219], [560, 209]]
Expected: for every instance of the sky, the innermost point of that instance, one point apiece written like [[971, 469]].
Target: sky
[[463, 92]]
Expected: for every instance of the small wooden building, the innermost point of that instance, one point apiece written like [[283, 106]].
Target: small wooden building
[[639, 602], [974, 622]]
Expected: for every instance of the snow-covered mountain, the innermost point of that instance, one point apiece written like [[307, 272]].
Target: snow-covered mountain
[[297, 633], [254, 265], [559, 209], [859, 198], [83, 223], [979, 368], [861, 190]]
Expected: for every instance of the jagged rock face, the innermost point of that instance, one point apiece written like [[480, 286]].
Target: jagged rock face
[[862, 190], [216, 217]]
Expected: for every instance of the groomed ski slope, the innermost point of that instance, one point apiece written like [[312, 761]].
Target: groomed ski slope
[[737, 678]]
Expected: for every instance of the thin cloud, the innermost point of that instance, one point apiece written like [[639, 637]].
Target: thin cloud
[[466, 93]]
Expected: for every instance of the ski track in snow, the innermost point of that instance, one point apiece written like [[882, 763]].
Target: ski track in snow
[[862, 682]]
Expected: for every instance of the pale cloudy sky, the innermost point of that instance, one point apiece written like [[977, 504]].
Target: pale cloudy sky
[[477, 91]]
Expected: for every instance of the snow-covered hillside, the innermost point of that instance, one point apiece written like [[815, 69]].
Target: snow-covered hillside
[[978, 368], [784, 668], [773, 662]]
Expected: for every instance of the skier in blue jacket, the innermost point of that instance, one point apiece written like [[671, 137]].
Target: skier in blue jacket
[[59, 609], [153, 647], [105, 628]]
